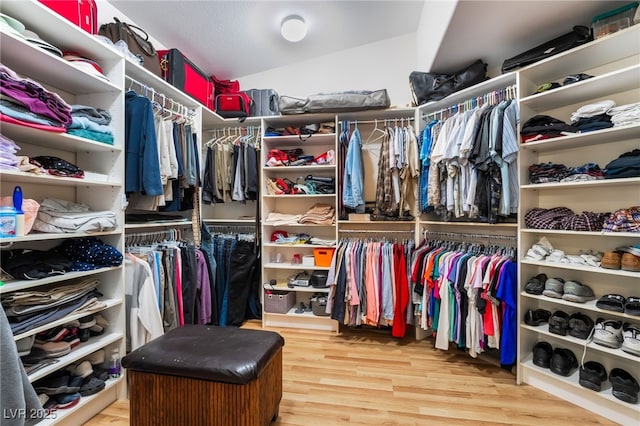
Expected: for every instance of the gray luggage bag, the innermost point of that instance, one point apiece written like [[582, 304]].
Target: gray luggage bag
[[265, 102]]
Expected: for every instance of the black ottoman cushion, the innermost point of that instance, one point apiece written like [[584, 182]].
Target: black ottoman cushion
[[220, 354]]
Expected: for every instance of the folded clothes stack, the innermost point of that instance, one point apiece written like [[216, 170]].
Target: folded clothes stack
[[61, 216], [319, 214], [593, 116], [564, 218], [625, 115], [91, 123], [552, 172], [542, 127], [625, 166], [8, 150]]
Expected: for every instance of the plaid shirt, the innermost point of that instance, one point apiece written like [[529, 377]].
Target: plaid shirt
[[623, 220], [385, 203]]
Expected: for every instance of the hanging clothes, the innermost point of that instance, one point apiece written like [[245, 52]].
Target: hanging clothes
[[368, 284], [466, 294]]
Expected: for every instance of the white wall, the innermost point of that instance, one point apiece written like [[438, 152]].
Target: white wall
[[382, 65], [434, 22]]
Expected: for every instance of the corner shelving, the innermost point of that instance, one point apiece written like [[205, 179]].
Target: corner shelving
[[101, 189], [613, 61]]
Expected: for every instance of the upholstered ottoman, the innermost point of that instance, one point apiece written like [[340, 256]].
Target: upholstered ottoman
[[204, 376]]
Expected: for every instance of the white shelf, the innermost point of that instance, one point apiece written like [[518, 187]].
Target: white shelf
[[297, 225], [284, 287], [580, 140], [160, 224], [591, 346], [36, 236], [470, 224], [108, 302], [16, 285], [569, 388], [617, 46], [300, 169], [274, 265], [40, 65], [294, 140], [294, 245], [82, 350], [62, 141], [101, 399], [587, 306], [581, 233], [286, 196], [46, 179], [585, 268], [587, 185], [305, 320], [603, 85]]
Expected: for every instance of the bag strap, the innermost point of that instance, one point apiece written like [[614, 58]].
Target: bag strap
[[147, 47]]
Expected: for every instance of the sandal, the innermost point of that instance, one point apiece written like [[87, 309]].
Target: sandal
[[301, 308], [91, 385]]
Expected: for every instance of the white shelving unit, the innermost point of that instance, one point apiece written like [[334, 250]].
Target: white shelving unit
[[295, 204], [613, 61], [102, 191]]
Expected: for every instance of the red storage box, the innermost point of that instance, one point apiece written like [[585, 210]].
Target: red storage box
[[323, 256], [83, 13], [179, 71]]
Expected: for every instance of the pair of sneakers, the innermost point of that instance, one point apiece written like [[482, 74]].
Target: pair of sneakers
[[573, 291], [616, 334]]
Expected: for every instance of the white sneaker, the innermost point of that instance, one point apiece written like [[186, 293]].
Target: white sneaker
[[608, 333], [631, 338]]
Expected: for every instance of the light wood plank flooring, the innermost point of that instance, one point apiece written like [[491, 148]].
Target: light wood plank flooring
[[369, 378]]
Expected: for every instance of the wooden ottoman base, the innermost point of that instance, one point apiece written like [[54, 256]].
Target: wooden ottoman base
[[158, 399]]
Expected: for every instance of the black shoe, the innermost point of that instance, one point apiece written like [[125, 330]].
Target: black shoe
[[542, 352], [580, 325], [559, 323], [563, 361], [536, 317], [536, 284], [625, 387], [592, 374]]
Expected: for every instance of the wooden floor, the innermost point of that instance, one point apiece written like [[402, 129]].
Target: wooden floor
[[369, 378]]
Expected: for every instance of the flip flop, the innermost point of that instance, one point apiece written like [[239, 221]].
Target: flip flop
[[632, 306], [91, 385], [612, 302]]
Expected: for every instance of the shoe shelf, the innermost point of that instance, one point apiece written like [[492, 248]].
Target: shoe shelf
[[587, 306], [16, 285], [584, 268], [569, 388], [591, 346], [77, 353], [283, 287], [109, 303], [83, 411]]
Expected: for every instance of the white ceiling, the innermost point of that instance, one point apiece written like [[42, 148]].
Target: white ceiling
[[232, 39]]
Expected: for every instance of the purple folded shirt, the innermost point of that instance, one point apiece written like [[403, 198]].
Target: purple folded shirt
[[34, 97]]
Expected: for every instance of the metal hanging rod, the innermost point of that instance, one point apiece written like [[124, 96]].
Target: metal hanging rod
[[232, 229], [172, 234], [493, 97], [183, 111], [376, 121], [366, 231]]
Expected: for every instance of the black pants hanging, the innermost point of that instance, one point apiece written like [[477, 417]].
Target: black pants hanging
[[243, 262]]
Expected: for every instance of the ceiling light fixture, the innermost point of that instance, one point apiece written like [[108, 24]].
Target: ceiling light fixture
[[293, 28]]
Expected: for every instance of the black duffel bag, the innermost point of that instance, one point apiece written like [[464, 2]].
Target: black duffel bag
[[427, 86], [579, 35]]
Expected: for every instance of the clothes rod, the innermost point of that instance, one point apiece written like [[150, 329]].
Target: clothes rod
[[184, 112], [366, 231], [376, 121], [466, 235], [491, 98]]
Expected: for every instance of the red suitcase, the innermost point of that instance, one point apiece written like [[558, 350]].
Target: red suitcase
[[83, 13], [179, 71]]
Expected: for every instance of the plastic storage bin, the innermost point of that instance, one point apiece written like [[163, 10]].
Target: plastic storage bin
[[279, 302], [613, 20], [323, 256]]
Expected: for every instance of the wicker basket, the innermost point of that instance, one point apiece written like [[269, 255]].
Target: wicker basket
[[319, 305], [279, 302]]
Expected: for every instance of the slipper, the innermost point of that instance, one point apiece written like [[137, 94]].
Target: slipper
[[91, 385], [632, 306], [575, 291], [611, 302], [100, 373], [96, 358], [536, 317], [83, 369], [35, 356], [536, 284], [54, 385], [554, 287]]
